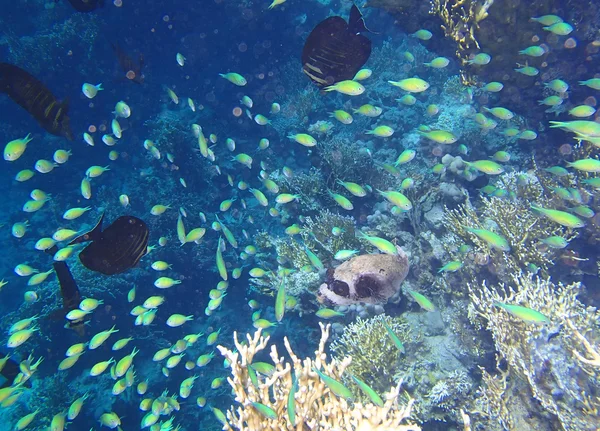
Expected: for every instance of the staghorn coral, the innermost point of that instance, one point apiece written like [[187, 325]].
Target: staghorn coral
[[316, 233], [315, 405], [309, 185], [511, 218], [291, 252], [547, 358], [493, 400], [460, 20], [374, 356]]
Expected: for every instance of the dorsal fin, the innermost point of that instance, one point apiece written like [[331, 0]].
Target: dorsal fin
[[90, 235], [65, 104], [356, 23]]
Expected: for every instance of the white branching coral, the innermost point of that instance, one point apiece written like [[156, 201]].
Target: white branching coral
[[314, 404]]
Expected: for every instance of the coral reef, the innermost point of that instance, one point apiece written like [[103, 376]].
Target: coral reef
[[314, 403], [310, 186], [374, 356], [513, 219], [460, 19], [33, 51], [558, 364]]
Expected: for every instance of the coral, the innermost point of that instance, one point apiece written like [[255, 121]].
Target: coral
[[302, 282], [460, 20], [374, 356], [547, 357], [315, 404], [298, 106], [347, 159], [309, 185], [436, 369], [387, 225], [316, 233], [321, 127], [445, 392], [291, 252], [512, 218], [47, 46], [170, 127]]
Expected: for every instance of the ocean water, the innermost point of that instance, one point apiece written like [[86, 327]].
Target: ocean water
[[447, 232]]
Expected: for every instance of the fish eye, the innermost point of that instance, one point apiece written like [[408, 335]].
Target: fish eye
[[367, 286], [340, 288]]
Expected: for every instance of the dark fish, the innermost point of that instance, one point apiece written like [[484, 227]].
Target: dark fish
[[31, 94], [70, 294], [115, 249], [10, 371], [335, 50], [133, 70], [85, 5]]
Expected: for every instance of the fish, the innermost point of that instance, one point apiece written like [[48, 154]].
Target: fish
[[133, 70], [335, 386], [527, 315], [368, 391], [115, 249], [69, 291], [9, 372], [335, 50], [85, 5], [33, 96]]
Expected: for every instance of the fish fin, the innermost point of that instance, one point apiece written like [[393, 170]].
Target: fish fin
[[65, 104], [356, 22], [90, 235]]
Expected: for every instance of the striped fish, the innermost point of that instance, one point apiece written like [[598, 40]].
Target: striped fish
[[33, 96]]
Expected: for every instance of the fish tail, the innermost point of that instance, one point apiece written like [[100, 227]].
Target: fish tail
[[91, 235], [555, 124]]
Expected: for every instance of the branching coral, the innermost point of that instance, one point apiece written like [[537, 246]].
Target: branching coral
[[347, 159], [309, 185], [445, 392], [460, 20], [317, 233], [546, 357], [317, 237], [493, 398], [374, 356], [513, 219], [315, 405]]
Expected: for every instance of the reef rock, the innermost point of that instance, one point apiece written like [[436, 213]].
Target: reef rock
[[369, 278]]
